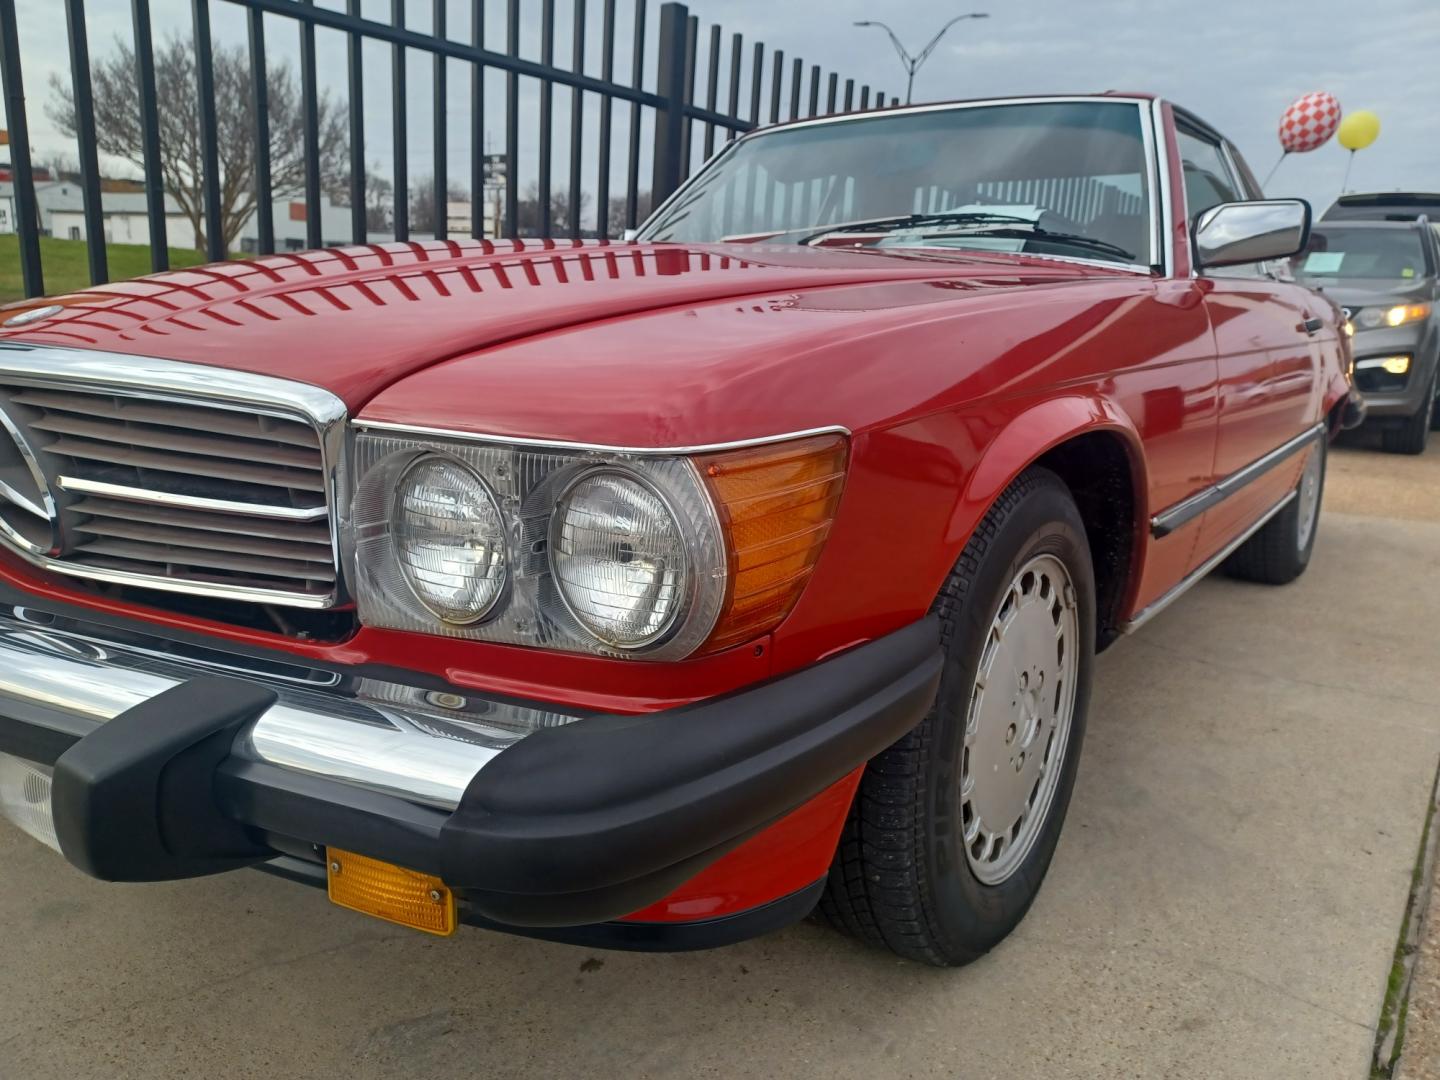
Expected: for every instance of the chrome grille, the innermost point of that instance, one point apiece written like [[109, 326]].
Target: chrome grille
[[228, 498]]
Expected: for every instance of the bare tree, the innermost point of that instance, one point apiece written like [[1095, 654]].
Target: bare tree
[[422, 202], [616, 218], [60, 166], [379, 203], [379, 197], [118, 128], [527, 212]]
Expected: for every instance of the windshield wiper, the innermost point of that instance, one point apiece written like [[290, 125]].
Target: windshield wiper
[[1034, 232], [910, 221]]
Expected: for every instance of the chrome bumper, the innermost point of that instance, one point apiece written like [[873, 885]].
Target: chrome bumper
[[422, 745], [150, 760]]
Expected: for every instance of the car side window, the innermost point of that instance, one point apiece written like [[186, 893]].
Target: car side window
[[1208, 181], [1248, 184]]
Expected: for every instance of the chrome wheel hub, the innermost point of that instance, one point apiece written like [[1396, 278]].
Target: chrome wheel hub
[[1309, 497], [1018, 722]]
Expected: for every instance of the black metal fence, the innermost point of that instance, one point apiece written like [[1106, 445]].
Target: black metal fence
[[774, 88]]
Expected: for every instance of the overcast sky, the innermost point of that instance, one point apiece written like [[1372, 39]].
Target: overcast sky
[[1237, 63]]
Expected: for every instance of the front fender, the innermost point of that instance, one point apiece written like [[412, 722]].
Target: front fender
[[1028, 436]]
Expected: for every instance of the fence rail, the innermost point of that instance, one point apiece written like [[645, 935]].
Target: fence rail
[[677, 112]]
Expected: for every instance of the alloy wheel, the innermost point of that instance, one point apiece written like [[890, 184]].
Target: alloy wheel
[[1019, 718], [1309, 496]]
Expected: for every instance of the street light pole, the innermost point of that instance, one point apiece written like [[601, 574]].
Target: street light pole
[[913, 63]]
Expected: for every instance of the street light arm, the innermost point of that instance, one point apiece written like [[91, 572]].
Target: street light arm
[[925, 52], [909, 61]]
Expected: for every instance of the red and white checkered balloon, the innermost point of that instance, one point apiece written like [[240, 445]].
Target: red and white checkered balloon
[[1309, 122]]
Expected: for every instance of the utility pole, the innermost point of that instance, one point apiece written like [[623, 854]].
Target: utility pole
[[914, 63]]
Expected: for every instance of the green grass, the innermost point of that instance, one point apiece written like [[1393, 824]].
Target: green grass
[[1394, 1011], [66, 268]]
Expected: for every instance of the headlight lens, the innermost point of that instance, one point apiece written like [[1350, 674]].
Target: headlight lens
[[1401, 314], [611, 553], [619, 558], [449, 539]]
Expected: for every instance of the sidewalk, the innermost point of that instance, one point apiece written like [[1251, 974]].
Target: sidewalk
[[1419, 1015]]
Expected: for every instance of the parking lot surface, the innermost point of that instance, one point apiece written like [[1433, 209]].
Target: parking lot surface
[[1224, 902]]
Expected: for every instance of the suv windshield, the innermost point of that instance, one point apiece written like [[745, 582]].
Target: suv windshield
[[1337, 251], [1064, 178]]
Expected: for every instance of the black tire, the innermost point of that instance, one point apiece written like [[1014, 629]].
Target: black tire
[[1411, 435], [901, 879], [1275, 554]]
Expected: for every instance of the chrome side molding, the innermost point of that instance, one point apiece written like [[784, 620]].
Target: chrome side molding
[[1156, 606], [1185, 511]]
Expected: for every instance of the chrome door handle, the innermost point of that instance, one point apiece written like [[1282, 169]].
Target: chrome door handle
[[1313, 325]]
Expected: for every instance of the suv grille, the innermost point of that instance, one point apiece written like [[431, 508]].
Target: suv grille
[[179, 495]]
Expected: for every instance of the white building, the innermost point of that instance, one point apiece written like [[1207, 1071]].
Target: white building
[[460, 213], [62, 215], [291, 216]]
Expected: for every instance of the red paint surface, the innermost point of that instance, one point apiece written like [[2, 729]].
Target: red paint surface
[[786, 857], [954, 371]]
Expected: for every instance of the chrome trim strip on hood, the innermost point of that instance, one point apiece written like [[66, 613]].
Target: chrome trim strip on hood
[[603, 448]]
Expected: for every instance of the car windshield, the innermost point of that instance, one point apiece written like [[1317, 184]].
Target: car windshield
[[1341, 252], [1061, 178]]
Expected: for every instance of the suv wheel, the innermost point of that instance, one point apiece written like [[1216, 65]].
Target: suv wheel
[[954, 826], [1410, 436]]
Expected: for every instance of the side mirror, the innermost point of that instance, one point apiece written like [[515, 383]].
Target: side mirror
[[1233, 234]]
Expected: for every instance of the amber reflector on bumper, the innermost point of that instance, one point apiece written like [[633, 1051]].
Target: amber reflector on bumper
[[390, 892], [776, 504]]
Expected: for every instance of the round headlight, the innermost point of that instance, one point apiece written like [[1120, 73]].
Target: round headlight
[[449, 539], [619, 558]]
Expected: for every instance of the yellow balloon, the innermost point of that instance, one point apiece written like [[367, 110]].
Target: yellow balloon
[[1358, 130]]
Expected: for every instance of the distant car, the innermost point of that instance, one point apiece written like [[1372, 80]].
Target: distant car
[[1385, 206], [646, 595], [1385, 275]]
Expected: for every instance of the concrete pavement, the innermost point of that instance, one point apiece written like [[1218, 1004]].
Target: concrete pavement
[[1224, 901]]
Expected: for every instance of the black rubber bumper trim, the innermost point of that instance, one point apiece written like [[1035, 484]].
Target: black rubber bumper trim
[[689, 936], [573, 825], [616, 805]]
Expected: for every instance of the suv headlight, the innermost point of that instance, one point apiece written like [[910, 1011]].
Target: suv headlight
[[622, 554], [1401, 314], [1371, 317]]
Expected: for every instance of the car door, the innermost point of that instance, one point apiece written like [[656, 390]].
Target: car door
[[1263, 328]]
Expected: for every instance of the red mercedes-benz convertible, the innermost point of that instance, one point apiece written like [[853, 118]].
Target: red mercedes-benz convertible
[[650, 594]]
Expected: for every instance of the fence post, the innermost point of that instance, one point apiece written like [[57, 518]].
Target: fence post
[[209, 139], [85, 136], [670, 119], [27, 213]]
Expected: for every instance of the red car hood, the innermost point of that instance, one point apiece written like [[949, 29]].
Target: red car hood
[[356, 320]]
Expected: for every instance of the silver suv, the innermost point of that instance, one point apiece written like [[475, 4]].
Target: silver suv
[[1386, 275]]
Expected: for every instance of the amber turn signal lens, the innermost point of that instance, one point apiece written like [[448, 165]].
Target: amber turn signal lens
[[390, 892], [776, 505]]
